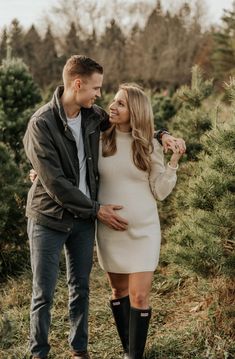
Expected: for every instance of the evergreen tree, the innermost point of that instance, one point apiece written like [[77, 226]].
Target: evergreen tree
[[18, 96], [50, 70], [111, 54], [134, 56], [12, 221], [192, 120], [163, 109], [169, 44], [224, 47], [18, 93], [89, 47], [203, 234], [153, 41], [32, 48], [204, 52], [73, 44], [203, 237], [16, 36], [159, 7], [3, 45]]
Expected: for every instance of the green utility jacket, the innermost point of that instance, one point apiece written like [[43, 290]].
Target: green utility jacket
[[54, 199]]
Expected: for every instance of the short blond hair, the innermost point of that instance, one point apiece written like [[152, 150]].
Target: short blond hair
[[80, 65]]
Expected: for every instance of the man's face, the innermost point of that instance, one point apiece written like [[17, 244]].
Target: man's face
[[88, 89]]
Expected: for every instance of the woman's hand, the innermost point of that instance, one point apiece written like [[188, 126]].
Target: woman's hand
[[176, 145]]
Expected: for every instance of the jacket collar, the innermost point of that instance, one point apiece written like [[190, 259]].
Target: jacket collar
[[87, 113]]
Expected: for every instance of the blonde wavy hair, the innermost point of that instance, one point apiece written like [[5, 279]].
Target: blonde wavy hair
[[142, 127]]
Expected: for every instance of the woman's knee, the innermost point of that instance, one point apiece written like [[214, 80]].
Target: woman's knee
[[119, 292], [139, 300], [119, 285]]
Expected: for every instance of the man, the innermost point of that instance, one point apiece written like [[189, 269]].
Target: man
[[61, 143]]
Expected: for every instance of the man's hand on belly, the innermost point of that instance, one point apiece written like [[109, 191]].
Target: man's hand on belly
[[107, 215]]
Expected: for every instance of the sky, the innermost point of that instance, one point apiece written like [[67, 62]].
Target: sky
[[31, 11]]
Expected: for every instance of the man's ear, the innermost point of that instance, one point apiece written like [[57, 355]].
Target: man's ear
[[77, 83]]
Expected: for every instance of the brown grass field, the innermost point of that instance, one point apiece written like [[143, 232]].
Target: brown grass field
[[192, 318]]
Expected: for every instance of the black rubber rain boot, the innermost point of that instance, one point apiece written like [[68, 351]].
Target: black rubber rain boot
[[139, 324], [121, 313]]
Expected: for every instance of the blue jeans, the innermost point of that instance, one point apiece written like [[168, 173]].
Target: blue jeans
[[45, 247]]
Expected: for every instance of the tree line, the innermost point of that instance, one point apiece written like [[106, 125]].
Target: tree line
[[158, 55], [197, 219]]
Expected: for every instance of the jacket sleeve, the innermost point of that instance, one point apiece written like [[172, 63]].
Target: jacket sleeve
[[158, 134], [105, 124], [41, 152], [162, 178]]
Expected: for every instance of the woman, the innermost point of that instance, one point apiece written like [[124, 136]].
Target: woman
[[132, 173]]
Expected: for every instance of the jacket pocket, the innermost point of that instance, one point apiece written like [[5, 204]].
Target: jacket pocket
[[44, 204]]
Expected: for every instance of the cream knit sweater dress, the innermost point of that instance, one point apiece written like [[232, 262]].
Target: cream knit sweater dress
[[137, 249]]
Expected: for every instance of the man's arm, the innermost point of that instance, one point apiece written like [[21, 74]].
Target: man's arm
[[159, 134], [169, 142], [163, 136], [105, 124]]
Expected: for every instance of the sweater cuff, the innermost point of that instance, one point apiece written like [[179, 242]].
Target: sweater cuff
[[172, 168], [171, 171]]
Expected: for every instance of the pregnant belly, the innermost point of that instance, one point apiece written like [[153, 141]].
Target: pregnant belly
[[138, 208]]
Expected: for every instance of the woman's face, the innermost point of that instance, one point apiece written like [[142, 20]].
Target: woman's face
[[119, 113]]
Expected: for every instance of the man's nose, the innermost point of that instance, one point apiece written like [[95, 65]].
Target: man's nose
[[98, 93]]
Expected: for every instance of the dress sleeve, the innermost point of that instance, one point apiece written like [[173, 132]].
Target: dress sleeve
[[162, 178]]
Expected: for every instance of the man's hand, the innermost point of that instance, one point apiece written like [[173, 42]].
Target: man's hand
[[32, 175], [177, 145], [107, 215]]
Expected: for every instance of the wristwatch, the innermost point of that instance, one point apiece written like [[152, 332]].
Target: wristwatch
[[159, 133]]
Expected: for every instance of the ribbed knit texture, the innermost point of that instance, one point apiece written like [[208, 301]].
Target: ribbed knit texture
[[121, 182]]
